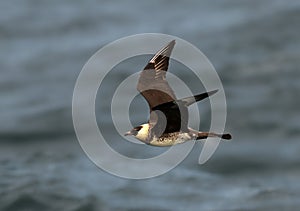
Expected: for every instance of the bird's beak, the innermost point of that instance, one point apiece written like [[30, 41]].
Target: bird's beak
[[128, 133]]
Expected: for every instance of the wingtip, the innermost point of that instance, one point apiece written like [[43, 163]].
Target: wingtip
[[171, 44], [212, 92], [165, 51]]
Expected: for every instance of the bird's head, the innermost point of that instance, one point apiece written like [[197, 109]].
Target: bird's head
[[140, 132]]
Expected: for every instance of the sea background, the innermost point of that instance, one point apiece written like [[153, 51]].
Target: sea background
[[255, 48]]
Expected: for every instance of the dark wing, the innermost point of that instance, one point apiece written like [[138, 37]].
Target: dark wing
[[169, 117], [152, 83], [173, 116]]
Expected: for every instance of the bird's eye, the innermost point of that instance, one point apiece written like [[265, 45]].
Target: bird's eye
[[138, 128]]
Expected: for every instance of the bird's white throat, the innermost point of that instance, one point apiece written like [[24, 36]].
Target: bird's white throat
[[143, 133]]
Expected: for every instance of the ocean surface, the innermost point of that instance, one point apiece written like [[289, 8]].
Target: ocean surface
[[255, 48]]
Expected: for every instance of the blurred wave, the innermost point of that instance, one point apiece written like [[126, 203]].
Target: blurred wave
[[254, 46]]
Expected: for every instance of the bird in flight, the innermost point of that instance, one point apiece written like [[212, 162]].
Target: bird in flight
[[168, 122]]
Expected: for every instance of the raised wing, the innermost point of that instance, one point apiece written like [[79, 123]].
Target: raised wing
[[152, 83]]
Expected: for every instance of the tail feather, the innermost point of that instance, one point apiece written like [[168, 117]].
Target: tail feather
[[204, 135], [226, 136], [190, 100]]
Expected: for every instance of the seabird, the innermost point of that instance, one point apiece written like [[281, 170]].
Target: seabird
[[168, 122]]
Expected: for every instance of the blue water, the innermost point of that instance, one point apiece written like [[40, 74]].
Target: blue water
[[255, 48]]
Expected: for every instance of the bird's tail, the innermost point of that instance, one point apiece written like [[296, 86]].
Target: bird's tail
[[204, 135], [190, 100]]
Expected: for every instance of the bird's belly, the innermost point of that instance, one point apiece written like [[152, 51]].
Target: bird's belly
[[170, 139]]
